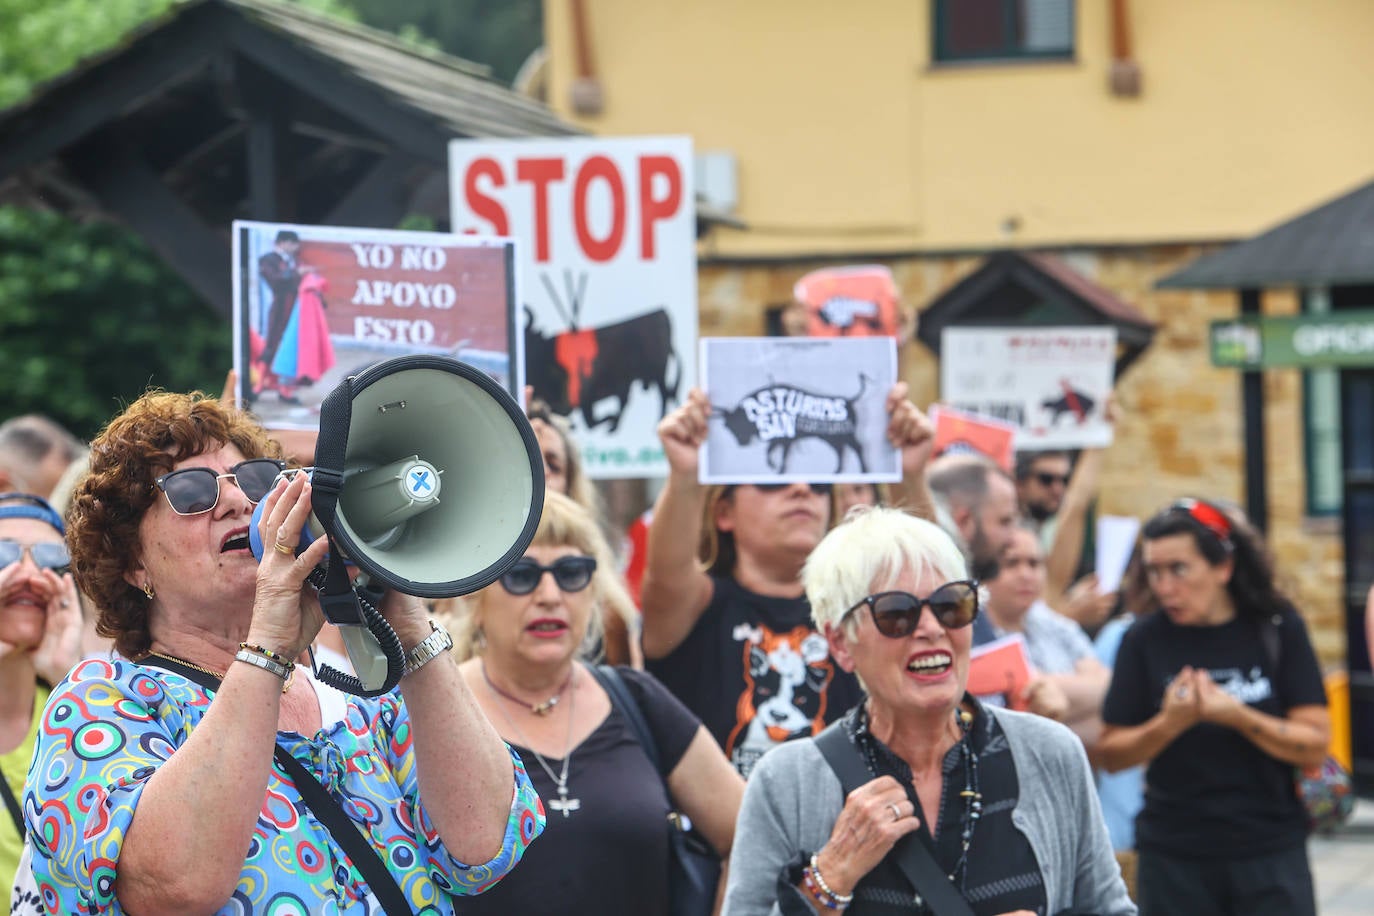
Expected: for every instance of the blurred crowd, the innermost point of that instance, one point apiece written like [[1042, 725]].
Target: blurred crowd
[[762, 708]]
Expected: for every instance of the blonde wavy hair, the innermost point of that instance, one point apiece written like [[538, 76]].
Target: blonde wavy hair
[[564, 523]]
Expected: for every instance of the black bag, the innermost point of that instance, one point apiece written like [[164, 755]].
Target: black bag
[[693, 867]]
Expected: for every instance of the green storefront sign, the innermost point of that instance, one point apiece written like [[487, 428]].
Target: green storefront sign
[[1341, 339]]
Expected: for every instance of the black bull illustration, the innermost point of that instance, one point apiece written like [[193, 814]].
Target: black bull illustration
[[576, 369]]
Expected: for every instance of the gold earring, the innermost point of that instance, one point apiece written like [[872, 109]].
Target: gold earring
[[148, 590]]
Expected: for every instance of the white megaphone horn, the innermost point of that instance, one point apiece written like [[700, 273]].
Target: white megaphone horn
[[428, 478]]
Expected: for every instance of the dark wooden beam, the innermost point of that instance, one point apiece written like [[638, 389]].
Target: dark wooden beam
[[126, 187], [109, 90], [1252, 400], [271, 154], [378, 200], [359, 101]]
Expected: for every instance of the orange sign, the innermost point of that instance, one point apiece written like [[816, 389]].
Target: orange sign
[[858, 301], [957, 432]]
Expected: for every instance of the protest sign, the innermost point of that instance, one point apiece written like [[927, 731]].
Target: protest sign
[[313, 304], [1051, 382], [1114, 544], [957, 433], [999, 671], [607, 278], [798, 409]]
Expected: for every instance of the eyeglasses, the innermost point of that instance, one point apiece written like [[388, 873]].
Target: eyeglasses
[[818, 489], [192, 491], [46, 555], [1046, 479], [1206, 515], [572, 574], [896, 614]]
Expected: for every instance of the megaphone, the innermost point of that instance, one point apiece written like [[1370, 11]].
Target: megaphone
[[429, 479]]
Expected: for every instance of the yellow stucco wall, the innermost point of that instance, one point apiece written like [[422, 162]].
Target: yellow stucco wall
[[848, 139]]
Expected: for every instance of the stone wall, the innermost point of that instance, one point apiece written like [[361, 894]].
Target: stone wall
[[1181, 431]]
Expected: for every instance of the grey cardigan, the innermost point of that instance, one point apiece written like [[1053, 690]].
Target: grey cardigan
[[793, 799]]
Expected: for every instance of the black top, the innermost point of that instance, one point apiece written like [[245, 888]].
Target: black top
[[756, 673], [1213, 793], [610, 856], [1001, 874]]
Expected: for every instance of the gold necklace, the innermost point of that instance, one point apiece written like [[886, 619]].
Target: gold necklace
[[215, 674]]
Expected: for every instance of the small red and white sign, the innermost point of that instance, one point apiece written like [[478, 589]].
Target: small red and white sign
[[606, 278], [1051, 382]]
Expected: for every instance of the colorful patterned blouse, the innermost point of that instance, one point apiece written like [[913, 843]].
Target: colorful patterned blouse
[[108, 727]]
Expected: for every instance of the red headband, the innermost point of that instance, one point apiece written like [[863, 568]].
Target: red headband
[[1208, 516]]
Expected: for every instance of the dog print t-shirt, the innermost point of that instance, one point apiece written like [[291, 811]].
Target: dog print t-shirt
[[756, 673]]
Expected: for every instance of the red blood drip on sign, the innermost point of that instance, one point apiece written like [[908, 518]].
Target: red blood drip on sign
[[575, 351]]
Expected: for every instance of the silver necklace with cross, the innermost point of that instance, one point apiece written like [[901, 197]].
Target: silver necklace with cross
[[564, 806]]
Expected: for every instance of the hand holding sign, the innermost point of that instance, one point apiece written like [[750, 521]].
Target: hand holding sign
[[683, 432]]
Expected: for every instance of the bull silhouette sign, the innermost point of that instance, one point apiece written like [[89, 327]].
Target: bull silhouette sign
[[593, 371], [798, 409]]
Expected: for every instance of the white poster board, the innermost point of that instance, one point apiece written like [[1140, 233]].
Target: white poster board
[[1052, 382], [806, 409], [313, 304], [607, 278]]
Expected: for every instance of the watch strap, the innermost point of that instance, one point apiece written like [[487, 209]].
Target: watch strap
[[431, 647]]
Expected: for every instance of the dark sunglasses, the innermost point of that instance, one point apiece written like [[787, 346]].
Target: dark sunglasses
[[45, 556], [571, 573], [896, 614], [192, 491], [1047, 479], [819, 489]]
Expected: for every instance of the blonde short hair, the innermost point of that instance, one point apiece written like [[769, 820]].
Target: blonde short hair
[[867, 552], [564, 523]]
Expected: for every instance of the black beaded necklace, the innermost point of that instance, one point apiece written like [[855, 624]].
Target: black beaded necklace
[[973, 799]]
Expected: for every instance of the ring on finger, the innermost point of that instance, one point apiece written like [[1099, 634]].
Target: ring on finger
[[1181, 693], [896, 812], [284, 548]]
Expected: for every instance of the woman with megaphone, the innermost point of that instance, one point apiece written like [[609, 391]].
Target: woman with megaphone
[[214, 775], [619, 762]]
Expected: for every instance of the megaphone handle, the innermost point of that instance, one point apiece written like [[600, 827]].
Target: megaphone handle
[[386, 638]]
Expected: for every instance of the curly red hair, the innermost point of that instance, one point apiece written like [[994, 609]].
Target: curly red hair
[[144, 442]]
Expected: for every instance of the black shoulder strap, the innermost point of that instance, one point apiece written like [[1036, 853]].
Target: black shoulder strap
[[1269, 635], [12, 804], [330, 813], [912, 856], [614, 685]]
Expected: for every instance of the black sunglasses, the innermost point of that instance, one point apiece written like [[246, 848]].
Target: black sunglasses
[[571, 573], [1048, 480], [819, 489], [192, 491], [896, 614], [46, 555]]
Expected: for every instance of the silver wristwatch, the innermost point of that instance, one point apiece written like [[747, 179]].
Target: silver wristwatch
[[433, 645]]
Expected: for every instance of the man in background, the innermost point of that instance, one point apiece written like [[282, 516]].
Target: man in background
[[975, 502], [34, 454]]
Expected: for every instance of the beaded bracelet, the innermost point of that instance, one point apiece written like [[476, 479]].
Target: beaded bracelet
[[837, 901], [818, 895], [269, 654]]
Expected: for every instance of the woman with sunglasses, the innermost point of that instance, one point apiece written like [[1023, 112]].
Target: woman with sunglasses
[[722, 590], [154, 785], [40, 641], [1217, 689], [1002, 801], [605, 850]]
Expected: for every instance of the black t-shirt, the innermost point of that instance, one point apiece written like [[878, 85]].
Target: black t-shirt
[[610, 856], [756, 672], [1213, 793]]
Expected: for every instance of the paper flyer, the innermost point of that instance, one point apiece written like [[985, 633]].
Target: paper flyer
[[803, 409], [999, 672]]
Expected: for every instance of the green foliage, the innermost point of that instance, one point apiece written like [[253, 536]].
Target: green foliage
[[498, 33], [89, 318]]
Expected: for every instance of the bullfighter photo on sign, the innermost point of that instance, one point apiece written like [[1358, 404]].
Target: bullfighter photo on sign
[[313, 304], [798, 409]]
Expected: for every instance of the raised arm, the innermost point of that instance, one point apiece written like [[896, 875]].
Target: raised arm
[[909, 429], [676, 590]]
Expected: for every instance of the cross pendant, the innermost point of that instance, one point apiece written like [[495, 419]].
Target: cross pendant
[[565, 805]]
